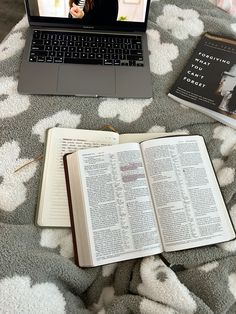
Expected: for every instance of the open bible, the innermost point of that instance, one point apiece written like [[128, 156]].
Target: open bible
[[133, 200]]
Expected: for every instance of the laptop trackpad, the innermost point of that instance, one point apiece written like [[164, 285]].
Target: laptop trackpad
[[86, 80]]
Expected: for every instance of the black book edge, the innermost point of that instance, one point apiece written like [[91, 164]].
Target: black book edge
[[76, 255]]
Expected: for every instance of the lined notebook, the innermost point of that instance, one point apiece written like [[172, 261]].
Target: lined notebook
[[53, 209]]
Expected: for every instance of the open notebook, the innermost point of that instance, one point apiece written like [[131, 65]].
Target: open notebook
[[53, 210]]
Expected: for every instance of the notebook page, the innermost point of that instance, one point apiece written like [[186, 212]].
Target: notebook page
[[53, 207]]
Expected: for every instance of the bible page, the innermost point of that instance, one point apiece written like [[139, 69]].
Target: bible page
[[139, 137], [188, 201], [53, 209], [120, 214]]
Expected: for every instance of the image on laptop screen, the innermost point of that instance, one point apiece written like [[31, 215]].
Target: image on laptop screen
[[91, 12]]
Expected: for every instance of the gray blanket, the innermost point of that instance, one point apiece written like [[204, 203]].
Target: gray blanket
[[37, 273]]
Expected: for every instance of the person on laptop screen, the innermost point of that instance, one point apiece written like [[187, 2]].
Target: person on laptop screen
[[90, 12], [94, 11]]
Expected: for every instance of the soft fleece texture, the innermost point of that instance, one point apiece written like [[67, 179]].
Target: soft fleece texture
[[37, 273]]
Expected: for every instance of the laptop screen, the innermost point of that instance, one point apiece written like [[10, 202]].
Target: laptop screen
[[93, 13]]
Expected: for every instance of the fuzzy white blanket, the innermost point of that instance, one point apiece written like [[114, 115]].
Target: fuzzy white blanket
[[37, 273]]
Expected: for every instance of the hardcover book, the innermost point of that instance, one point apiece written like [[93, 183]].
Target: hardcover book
[[208, 81], [133, 200]]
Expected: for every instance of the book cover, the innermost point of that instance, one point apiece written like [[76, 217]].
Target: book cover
[[208, 81]]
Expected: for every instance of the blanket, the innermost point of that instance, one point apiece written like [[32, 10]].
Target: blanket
[[37, 272]]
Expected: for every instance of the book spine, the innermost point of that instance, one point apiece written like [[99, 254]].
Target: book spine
[[76, 255]]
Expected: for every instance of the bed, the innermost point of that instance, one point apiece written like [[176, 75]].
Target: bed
[[37, 272]]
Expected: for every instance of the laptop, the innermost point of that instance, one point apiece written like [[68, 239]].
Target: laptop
[[86, 48]]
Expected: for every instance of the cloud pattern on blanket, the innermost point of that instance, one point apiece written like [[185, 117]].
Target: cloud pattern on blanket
[[20, 295], [11, 103], [63, 118], [7, 49], [13, 190], [37, 271], [127, 110], [158, 280], [58, 238], [181, 23], [164, 52]]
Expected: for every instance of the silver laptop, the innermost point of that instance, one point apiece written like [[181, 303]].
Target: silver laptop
[[86, 48]]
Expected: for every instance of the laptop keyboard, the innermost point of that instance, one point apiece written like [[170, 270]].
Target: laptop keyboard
[[75, 48]]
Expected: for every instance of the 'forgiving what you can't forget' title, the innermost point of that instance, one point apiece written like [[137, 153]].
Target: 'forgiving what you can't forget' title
[[194, 75]]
